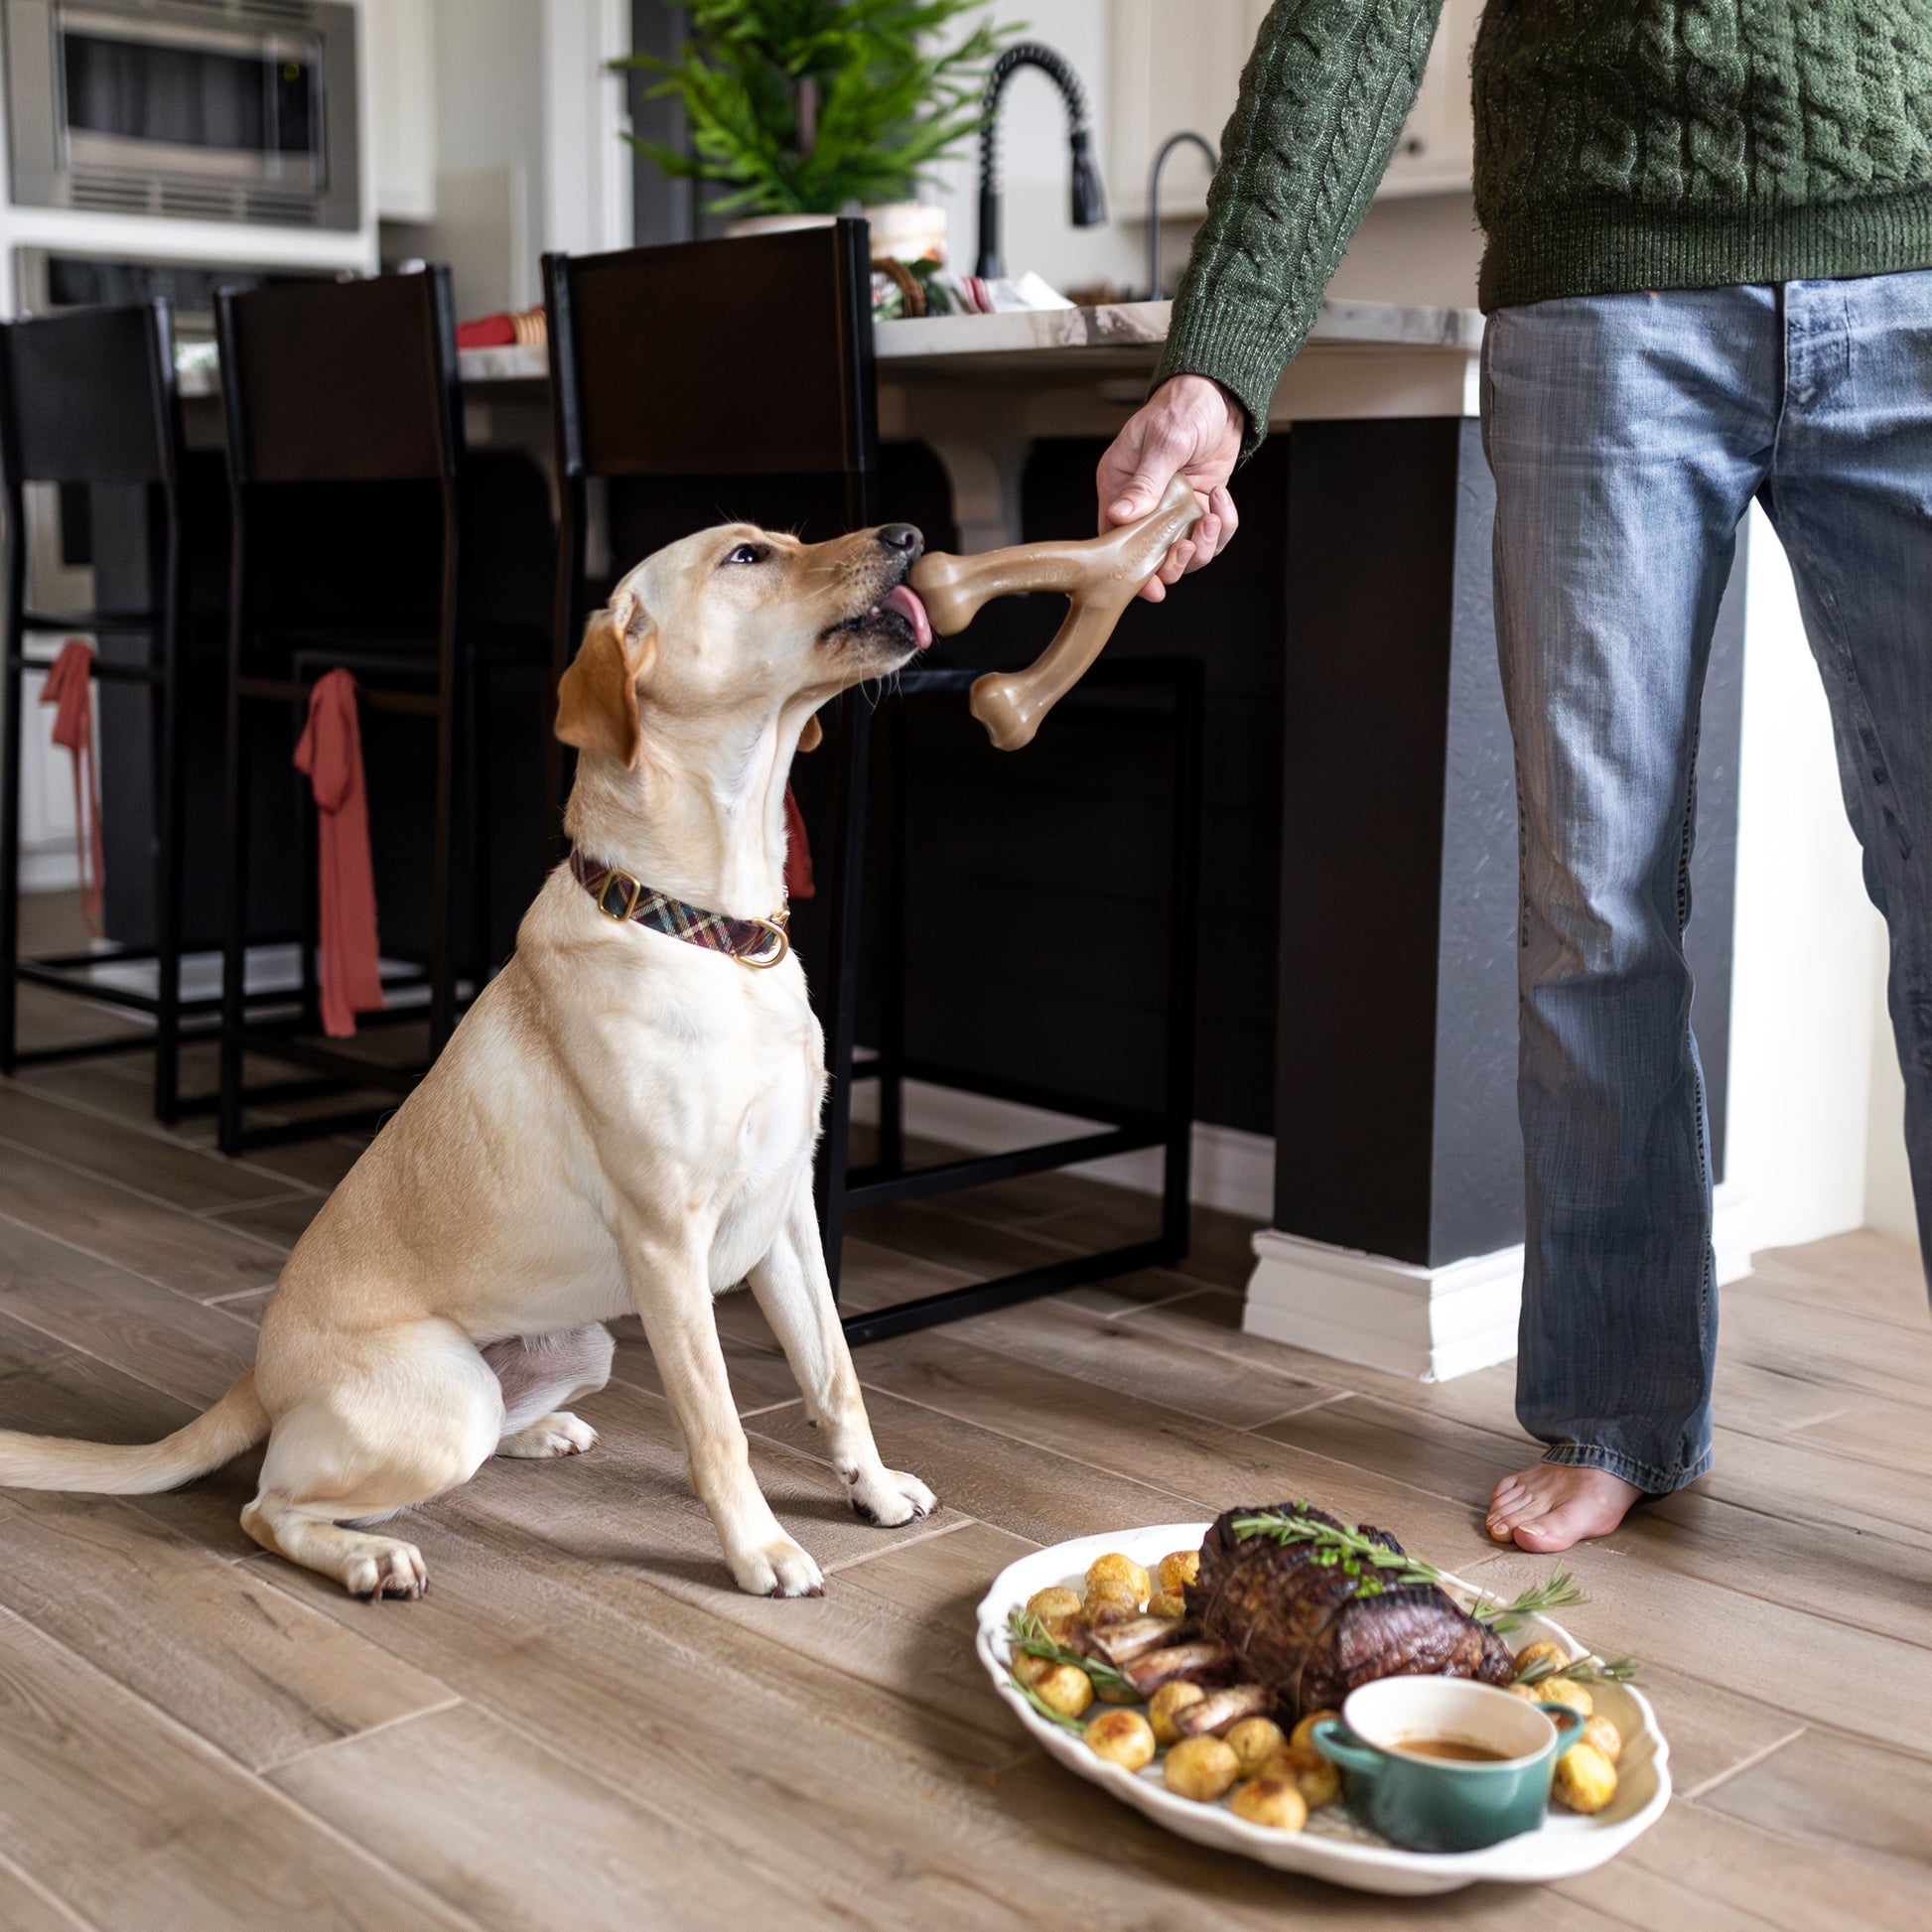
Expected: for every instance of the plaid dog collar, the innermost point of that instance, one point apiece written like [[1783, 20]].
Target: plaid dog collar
[[619, 895]]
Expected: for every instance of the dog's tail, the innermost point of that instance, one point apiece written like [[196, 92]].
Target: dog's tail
[[236, 1423]]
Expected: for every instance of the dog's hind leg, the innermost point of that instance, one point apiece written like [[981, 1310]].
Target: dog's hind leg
[[539, 1374], [795, 1292], [404, 1416]]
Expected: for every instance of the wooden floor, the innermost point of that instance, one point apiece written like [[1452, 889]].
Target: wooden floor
[[584, 1727]]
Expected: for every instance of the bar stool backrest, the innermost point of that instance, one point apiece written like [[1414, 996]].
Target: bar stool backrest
[[741, 357], [341, 381], [88, 397]]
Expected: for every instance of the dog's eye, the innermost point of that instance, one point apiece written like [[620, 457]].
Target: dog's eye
[[748, 553]]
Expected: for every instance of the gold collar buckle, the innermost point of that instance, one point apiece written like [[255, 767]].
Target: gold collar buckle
[[776, 926], [600, 895]]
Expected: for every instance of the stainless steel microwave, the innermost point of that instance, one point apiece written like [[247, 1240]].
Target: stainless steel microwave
[[223, 110]]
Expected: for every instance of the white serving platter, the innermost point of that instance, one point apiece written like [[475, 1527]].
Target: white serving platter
[[1333, 1846]]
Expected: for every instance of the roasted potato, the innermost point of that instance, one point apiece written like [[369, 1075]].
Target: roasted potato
[[1029, 1668], [1055, 1608], [1254, 1740], [1565, 1690], [1200, 1768], [1178, 1569], [1535, 1653], [1586, 1779], [1302, 1735], [1529, 1693], [1318, 1781], [1168, 1700], [1114, 1568], [1275, 1801], [1167, 1602], [1064, 1687], [1110, 1602], [1604, 1735], [1122, 1738]]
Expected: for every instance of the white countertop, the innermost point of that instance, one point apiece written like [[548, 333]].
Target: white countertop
[[1126, 331], [1022, 343]]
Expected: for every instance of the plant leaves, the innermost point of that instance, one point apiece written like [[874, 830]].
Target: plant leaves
[[893, 98]]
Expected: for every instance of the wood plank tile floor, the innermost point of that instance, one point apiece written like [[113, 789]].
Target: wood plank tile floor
[[583, 1725]]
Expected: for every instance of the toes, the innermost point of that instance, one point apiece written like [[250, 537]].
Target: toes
[[1546, 1536], [560, 1434], [794, 1574], [398, 1571], [891, 1499], [778, 1570], [571, 1436]]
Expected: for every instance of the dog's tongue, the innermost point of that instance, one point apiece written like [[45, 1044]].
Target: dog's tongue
[[904, 600]]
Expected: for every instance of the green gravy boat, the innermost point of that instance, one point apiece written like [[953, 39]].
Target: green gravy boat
[[1393, 1783]]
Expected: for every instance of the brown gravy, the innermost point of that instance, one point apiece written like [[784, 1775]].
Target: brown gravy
[[1459, 1750]]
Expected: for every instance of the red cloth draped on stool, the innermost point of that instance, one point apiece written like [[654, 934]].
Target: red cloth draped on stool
[[69, 687], [798, 851], [330, 755]]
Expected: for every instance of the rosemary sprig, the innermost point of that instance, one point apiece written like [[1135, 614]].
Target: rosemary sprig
[[1349, 1549], [1029, 1633], [1581, 1670], [1557, 1591]]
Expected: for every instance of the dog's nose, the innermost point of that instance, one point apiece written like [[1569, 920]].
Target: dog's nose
[[905, 538]]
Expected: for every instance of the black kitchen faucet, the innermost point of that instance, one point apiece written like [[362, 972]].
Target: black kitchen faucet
[[1090, 205]]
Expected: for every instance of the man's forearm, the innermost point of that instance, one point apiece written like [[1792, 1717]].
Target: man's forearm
[[1322, 102]]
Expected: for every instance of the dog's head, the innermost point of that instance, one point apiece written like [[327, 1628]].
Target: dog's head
[[741, 620]]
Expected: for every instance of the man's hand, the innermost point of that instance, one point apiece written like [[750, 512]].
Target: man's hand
[[1191, 427]]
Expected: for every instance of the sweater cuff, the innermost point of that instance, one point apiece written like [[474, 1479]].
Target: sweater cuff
[[1222, 341]]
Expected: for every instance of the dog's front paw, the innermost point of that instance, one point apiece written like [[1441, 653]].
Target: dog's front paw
[[890, 1497], [779, 1568]]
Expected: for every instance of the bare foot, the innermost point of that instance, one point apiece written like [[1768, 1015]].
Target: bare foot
[[1549, 1506]]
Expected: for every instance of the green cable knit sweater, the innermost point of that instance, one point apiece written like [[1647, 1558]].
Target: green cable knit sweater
[[1619, 144]]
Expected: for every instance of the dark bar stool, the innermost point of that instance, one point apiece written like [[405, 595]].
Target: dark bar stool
[[89, 400], [739, 372], [346, 467]]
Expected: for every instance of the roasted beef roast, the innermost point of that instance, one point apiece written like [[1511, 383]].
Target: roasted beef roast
[[1310, 1632]]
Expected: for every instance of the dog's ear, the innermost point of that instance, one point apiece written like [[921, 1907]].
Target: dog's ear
[[813, 736], [597, 698]]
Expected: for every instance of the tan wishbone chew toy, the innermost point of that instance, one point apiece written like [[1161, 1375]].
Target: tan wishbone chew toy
[[1101, 575]]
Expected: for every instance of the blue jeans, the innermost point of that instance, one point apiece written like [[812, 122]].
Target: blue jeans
[[1628, 435]]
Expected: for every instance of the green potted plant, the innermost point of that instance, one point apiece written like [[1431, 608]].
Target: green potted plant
[[801, 109]]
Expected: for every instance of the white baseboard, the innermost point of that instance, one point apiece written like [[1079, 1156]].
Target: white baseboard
[[1232, 1171], [1433, 1323], [1427, 1323], [50, 871]]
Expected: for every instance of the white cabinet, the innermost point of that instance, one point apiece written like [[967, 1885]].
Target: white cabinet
[[1176, 66], [1176, 63], [1437, 147], [402, 96]]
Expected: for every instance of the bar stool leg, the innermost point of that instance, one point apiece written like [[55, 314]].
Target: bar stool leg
[[10, 800], [450, 694], [892, 990], [1184, 956], [476, 805], [842, 975], [235, 901], [168, 881]]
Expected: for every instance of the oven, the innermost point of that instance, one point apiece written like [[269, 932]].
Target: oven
[[225, 110]]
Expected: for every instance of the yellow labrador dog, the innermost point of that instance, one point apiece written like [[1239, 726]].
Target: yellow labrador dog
[[624, 1119]]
